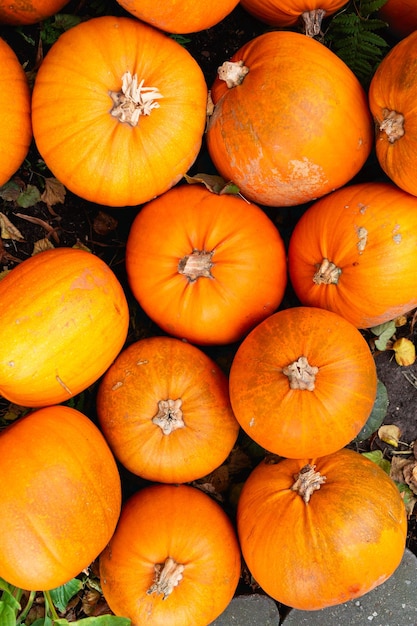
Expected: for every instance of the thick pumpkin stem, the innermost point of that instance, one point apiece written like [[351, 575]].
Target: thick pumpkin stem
[[392, 125], [133, 100], [301, 374], [169, 416], [196, 265], [307, 481], [327, 273], [167, 576], [312, 21], [232, 72]]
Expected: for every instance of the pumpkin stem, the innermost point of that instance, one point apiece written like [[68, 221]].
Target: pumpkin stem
[[312, 21], [327, 273], [301, 374], [167, 576], [196, 265], [307, 481], [133, 100], [392, 125], [169, 416], [232, 72]]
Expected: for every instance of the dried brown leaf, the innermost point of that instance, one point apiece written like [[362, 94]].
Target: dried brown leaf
[[54, 192], [41, 245], [9, 230], [104, 223]]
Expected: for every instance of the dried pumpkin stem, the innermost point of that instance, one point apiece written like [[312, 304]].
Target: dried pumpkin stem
[[327, 273], [167, 576], [196, 265], [301, 374], [133, 100], [307, 481], [312, 21], [169, 416], [232, 72], [392, 125]]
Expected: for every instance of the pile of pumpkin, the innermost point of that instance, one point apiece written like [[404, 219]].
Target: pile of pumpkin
[[316, 522]]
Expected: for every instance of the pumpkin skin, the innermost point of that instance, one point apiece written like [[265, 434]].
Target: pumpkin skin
[[347, 539], [18, 13], [217, 271], [65, 322], [61, 497], [392, 97], [77, 111], [182, 523], [16, 132], [180, 16], [401, 16], [299, 411], [164, 408], [314, 117], [372, 254]]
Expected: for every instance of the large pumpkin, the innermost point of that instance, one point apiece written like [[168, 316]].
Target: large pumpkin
[[164, 408], [16, 127], [291, 121], [303, 382], [392, 98], [355, 253], [174, 559], [20, 13], [64, 319], [125, 121], [180, 16], [401, 16], [205, 267], [316, 532], [60, 497]]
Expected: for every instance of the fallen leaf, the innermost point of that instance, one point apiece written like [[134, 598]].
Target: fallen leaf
[[41, 245], [29, 197], [54, 192], [8, 230], [215, 184], [390, 434], [104, 223], [10, 191], [405, 351]]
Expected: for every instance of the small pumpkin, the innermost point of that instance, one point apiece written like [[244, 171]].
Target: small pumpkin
[[164, 408], [316, 532], [174, 559], [205, 267], [401, 16], [284, 13], [355, 252], [18, 13], [392, 97], [16, 127], [64, 319], [125, 122], [180, 16], [303, 382], [60, 497], [291, 121]]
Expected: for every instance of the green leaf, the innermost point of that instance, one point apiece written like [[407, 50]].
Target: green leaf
[[62, 595], [29, 197], [7, 615], [102, 620], [43, 621], [377, 415], [384, 333], [377, 457]]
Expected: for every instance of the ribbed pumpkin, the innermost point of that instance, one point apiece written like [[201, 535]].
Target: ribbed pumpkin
[[164, 408], [16, 127], [60, 497], [291, 121], [355, 253], [303, 382], [64, 319], [286, 13], [317, 532], [125, 122], [18, 13], [180, 16], [174, 559], [401, 16], [392, 98], [205, 267]]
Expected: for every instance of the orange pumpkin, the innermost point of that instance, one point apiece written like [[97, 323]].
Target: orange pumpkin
[[125, 122], [18, 13], [64, 319], [205, 267], [164, 408], [303, 382], [180, 16], [291, 121], [317, 532], [401, 16], [392, 98], [286, 13], [174, 559], [16, 127], [355, 253], [60, 497]]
